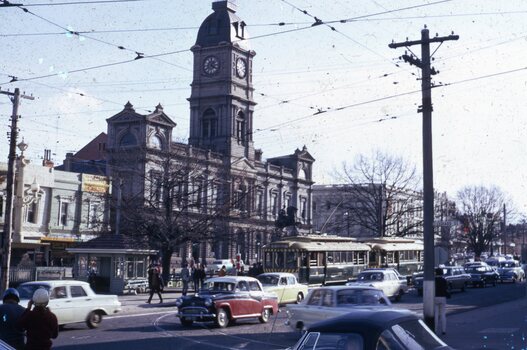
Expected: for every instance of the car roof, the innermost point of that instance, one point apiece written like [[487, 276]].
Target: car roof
[[53, 283], [279, 274], [364, 321], [348, 287], [232, 279]]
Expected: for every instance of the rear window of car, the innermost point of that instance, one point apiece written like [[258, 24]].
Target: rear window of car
[[26, 290], [268, 280], [348, 297], [316, 340], [254, 286]]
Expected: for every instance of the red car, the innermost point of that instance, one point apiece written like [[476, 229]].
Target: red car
[[226, 299]]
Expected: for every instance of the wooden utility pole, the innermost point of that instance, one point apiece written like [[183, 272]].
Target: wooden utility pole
[[10, 182], [428, 179]]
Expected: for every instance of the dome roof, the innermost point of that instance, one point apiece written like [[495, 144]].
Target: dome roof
[[223, 26]]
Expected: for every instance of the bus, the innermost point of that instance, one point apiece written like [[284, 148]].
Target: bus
[[329, 259]]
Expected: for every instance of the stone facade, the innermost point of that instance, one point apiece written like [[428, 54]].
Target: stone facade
[[220, 164], [52, 210]]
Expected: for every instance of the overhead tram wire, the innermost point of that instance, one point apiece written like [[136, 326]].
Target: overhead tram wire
[[83, 2], [139, 53], [15, 79]]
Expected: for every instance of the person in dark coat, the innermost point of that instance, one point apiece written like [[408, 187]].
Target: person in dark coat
[[40, 324], [201, 276], [155, 283], [185, 278], [441, 293], [10, 312], [195, 276]]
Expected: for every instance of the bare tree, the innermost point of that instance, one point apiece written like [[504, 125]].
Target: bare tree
[[176, 197], [480, 213], [380, 195]]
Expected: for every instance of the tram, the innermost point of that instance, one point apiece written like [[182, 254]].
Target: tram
[[329, 259]]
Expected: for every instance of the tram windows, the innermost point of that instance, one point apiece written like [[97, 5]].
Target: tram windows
[[290, 260], [330, 258], [268, 261], [278, 260]]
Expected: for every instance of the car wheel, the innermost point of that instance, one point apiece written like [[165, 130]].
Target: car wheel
[[463, 287], [299, 298], [222, 318], [94, 319], [301, 328], [264, 318], [185, 322], [514, 280], [494, 283]]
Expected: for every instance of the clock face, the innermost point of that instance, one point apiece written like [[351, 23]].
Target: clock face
[[241, 68], [211, 65]]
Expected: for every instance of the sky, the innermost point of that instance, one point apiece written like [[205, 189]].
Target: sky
[[336, 88]]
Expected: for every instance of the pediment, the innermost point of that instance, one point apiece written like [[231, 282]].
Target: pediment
[[125, 116], [160, 118], [243, 164]]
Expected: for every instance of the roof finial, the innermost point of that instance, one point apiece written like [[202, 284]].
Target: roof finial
[[128, 106]]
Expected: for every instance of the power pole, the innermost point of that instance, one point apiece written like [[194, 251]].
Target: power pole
[[10, 182], [504, 229], [428, 179]]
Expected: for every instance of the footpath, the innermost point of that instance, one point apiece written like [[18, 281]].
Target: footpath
[[496, 327]]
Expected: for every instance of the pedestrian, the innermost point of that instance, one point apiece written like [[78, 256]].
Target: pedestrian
[[10, 312], [155, 283], [40, 323], [223, 271], [195, 276], [441, 293], [185, 278], [201, 276]]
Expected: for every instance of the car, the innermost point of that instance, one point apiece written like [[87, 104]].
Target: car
[[327, 302], [226, 299], [482, 275], [455, 276], [216, 265], [72, 301], [371, 329], [285, 285], [383, 279], [5, 346], [511, 271]]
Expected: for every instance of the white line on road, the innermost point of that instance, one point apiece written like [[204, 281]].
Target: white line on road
[[137, 315]]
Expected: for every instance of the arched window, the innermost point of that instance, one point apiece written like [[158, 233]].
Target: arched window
[[240, 127], [209, 124], [128, 140], [155, 142]]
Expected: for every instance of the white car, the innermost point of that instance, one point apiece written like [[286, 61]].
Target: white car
[[285, 285], [72, 301], [323, 303], [383, 279]]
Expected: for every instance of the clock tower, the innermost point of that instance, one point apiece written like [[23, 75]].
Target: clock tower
[[221, 102]]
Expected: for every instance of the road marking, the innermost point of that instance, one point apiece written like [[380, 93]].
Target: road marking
[[499, 330], [240, 346], [137, 315]]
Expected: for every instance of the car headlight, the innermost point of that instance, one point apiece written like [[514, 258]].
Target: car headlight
[[208, 302], [179, 301]]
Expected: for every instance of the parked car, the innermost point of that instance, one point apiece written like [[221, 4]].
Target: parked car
[[136, 285], [285, 285], [511, 271], [371, 330], [482, 275], [72, 301], [455, 276], [226, 299], [327, 302], [383, 279]]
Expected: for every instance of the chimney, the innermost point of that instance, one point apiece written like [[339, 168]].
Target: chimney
[[47, 162]]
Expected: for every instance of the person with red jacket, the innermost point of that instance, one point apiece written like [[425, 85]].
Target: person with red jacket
[[40, 324]]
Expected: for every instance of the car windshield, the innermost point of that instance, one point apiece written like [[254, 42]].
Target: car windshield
[[219, 287], [347, 297], [343, 341], [414, 335], [268, 280], [507, 264], [26, 290], [370, 276]]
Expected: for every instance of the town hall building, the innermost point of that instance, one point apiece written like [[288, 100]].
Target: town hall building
[[219, 181]]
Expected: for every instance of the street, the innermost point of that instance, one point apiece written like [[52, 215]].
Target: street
[[155, 326]]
